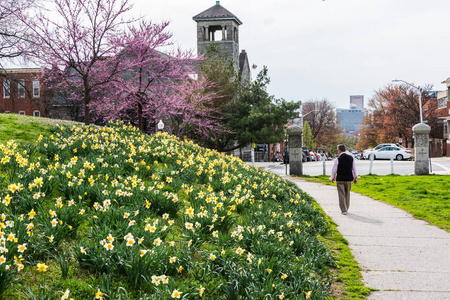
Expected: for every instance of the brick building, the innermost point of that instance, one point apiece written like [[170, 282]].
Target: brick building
[[444, 116], [22, 92]]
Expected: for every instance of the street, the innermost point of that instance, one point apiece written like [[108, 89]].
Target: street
[[439, 165]]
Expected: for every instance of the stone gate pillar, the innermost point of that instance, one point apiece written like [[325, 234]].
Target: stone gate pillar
[[295, 150], [421, 148]]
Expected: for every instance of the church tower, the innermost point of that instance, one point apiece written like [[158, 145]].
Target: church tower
[[219, 26]]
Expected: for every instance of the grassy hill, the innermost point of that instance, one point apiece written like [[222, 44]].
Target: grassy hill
[[111, 213], [25, 129]]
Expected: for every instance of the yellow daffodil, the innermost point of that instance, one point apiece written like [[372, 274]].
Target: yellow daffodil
[[176, 294], [99, 294], [31, 214], [41, 267], [22, 248]]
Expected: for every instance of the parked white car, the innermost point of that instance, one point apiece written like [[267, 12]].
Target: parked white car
[[391, 152], [323, 156], [368, 151]]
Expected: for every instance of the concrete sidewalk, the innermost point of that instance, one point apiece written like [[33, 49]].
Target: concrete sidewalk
[[402, 257]]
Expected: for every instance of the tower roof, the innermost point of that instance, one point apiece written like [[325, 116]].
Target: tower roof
[[216, 12]]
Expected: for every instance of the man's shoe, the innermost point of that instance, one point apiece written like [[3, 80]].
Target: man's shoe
[[344, 212]]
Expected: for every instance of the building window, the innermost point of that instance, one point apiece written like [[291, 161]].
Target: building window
[[36, 113], [6, 89], [22, 112], [442, 102], [21, 88], [36, 88]]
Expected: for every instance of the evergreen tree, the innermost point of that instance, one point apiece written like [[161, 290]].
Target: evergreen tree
[[308, 139], [248, 112]]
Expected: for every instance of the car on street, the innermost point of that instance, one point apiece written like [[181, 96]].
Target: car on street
[[313, 156], [318, 157], [323, 157], [391, 152], [366, 153], [306, 155]]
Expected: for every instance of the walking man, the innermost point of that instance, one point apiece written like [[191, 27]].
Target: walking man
[[344, 172]]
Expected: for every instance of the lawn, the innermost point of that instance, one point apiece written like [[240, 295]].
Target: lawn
[[24, 129], [425, 197], [112, 213]]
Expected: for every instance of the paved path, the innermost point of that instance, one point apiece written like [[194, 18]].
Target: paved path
[[402, 257]]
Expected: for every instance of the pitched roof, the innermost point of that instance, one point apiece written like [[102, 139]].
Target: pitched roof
[[216, 12]]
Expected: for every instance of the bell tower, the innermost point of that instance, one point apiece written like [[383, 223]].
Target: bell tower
[[219, 26]]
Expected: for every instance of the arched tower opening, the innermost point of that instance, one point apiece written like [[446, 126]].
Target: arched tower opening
[[219, 26]]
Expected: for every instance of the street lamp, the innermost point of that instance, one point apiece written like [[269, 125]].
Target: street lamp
[[420, 96], [304, 115], [160, 125]]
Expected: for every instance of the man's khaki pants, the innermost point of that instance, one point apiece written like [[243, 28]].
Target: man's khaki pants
[[343, 188]]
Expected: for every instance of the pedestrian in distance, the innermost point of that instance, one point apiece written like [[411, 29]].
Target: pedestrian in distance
[[344, 172]]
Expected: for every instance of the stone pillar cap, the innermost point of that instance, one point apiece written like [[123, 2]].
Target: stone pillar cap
[[295, 129], [421, 128]]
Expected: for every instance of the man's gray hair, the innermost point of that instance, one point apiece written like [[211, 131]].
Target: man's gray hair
[[341, 148]]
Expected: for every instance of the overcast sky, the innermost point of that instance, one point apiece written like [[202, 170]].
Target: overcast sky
[[329, 49]]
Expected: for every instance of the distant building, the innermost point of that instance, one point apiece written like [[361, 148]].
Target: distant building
[[350, 119], [357, 102], [444, 109], [22, 92], [218, 26]]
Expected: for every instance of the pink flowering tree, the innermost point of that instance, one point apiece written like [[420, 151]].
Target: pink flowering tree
[[189, 110], [117, 68], [158, 84], [145, 73], [74, 42]]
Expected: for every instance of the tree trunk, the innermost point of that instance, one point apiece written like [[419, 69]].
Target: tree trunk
[[87, 100], [140, 123], [87, 113]]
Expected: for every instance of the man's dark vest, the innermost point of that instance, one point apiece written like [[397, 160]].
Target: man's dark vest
[[344, 171]]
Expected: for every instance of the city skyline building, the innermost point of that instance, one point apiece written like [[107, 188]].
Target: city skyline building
[[350, 119], [357, 101]]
